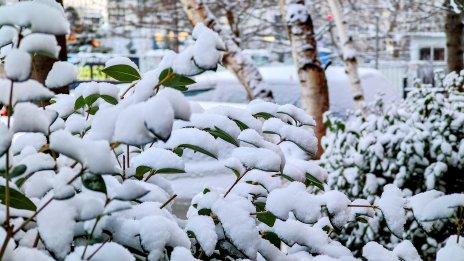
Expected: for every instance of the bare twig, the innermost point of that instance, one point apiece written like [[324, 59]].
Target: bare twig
[[169, 201]]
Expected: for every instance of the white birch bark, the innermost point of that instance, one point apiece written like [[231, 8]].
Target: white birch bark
[[349, 54]]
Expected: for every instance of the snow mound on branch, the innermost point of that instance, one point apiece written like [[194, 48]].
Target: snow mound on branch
[[452, 250], [61, 74], [42, 16], [205, 232], [40, 43], [96, 156], [30, 90], [406, 251], [157, 159], [25, 253], [194, 137], [30, 118], [121, 60], [258, 158], [182, 254], [203, 55], [392, 205], [7, 34], [148, 120], [294, 198], [372, 251], [167, 234], [18, 65], [239, 226], [179, 103]]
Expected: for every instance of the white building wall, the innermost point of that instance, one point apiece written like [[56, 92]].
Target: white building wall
[[89, 8]]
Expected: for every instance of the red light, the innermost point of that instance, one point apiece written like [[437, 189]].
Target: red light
[[329, 17]]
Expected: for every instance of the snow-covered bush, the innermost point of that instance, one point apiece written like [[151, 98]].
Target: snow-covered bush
[[417, 145], [82, 177]]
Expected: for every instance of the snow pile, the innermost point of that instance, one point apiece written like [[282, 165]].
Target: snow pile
[[203, 55], [61, 74], [41, 16], [18, 65], [44, 44]]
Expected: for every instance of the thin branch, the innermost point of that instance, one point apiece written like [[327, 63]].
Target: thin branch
[[169, 201]]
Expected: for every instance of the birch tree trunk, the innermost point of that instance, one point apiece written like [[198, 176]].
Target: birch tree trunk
[[453, 30], [243, 67], [313, 82], [349, 54]]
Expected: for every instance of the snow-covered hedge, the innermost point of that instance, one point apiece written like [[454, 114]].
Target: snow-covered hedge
[[82, 177], [417, 145]]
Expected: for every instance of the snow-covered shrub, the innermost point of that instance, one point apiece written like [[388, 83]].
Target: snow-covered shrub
[[82, 177], [417, 145]]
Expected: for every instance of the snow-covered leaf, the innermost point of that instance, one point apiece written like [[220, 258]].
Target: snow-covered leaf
[[17, 199], [122, 72], [93, 182], [109, 99]]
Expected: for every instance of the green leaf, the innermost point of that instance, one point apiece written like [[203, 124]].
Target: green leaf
[[109, 99], [79, 103], [241, 125], [285, 177], [190, 234], [340, 125], [141, 170], [169, 171], [17, 171], [198, 149], [190, 93], [165, 74], [180, 88], [20, 182], [289, 115], [178, 81], [263, 115], [273, 238], [17, 199], [89, 100], [178, 151], [51, 101], [93, 110], [122, 72], [237, 174], [260, 206], [218, 133], [204, 212], [93, 182], [311, 180], [206, 190], [362, 219], [267, 218]]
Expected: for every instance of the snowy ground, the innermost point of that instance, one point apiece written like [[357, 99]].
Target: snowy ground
[[284, 82]]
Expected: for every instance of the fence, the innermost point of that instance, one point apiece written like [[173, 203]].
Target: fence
[[403, 74]]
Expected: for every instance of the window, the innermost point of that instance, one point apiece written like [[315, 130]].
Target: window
[[438, 54], [424, 54]]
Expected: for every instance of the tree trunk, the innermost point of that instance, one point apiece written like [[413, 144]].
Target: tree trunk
[[453, 30], [243, 67], [313, 83], [43, 64], [349, 54]]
